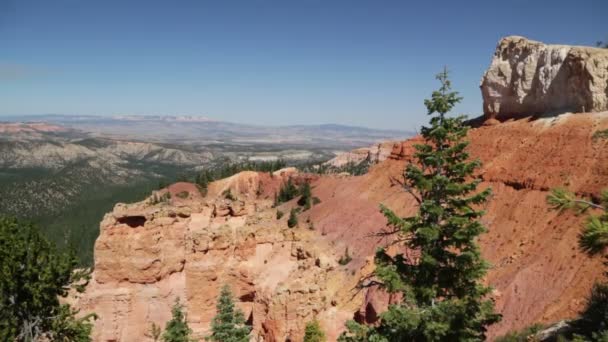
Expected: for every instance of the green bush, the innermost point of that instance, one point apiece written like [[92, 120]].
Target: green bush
[[183, 194], [293, 218], [313, 332], [280, 214]]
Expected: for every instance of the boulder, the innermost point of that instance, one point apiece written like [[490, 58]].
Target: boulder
[[528, 78]]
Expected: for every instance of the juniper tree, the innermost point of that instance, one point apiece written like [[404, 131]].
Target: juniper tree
[[444, 298], [228, 325], [34, 275], [177, 330]]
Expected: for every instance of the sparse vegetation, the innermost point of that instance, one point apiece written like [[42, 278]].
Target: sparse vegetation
[[183, 194], [444, 298], [293, 218], [280, 214], [155, 332], [346, 258], [228, 195], [601, 134], [227, 169], [228, 325], [524, 335], [313, 332]]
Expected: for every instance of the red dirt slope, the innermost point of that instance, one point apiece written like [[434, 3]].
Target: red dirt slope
[[538, 272]]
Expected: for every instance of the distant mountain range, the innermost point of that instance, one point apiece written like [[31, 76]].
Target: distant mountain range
[[204, 131]]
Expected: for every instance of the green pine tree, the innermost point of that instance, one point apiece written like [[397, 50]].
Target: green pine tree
[[313, 332], [229, 323], [34, 275], [305, 196], [287, 192], [177, 329], [292, 221], [443, 295]]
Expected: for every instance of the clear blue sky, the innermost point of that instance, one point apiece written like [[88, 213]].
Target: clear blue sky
[[367, 63]]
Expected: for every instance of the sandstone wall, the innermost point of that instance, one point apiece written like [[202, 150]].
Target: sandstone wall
[[529, 78]]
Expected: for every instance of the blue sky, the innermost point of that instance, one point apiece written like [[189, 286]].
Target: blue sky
[[368, 63]]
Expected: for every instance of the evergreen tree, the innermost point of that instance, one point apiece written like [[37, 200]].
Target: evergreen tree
[[292, 221], [229, 323], [177, 329], [313, 332], [443, 295], [33, 277], [305, 195], [287, 192]]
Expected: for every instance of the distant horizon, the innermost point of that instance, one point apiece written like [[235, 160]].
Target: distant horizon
[[202, 120], [357, 63]]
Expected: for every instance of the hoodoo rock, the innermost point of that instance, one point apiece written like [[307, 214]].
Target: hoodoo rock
[[528, 78]]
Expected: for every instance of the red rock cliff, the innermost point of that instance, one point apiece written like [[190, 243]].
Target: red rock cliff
[[150, 253]]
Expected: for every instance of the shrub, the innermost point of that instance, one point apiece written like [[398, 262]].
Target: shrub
[[316, 200], [280, 214], [313, 332], [183, 194], [293, 218], [346, 258], [521, 336], [228, 195]]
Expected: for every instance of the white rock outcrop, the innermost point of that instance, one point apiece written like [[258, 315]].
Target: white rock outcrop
[[527, 78]]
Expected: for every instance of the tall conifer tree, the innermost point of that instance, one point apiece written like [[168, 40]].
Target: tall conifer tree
[[229, 323], [440, 277], [177, 329]]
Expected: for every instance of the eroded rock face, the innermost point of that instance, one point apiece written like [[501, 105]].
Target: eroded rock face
[[373, 154], [153, 252], [527, 78]]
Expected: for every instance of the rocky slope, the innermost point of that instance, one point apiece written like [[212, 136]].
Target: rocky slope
[[373, 154], [528, 78], [148, 253]]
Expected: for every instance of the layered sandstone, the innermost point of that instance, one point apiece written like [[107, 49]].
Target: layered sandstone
[[373, 154], [527, 77]]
